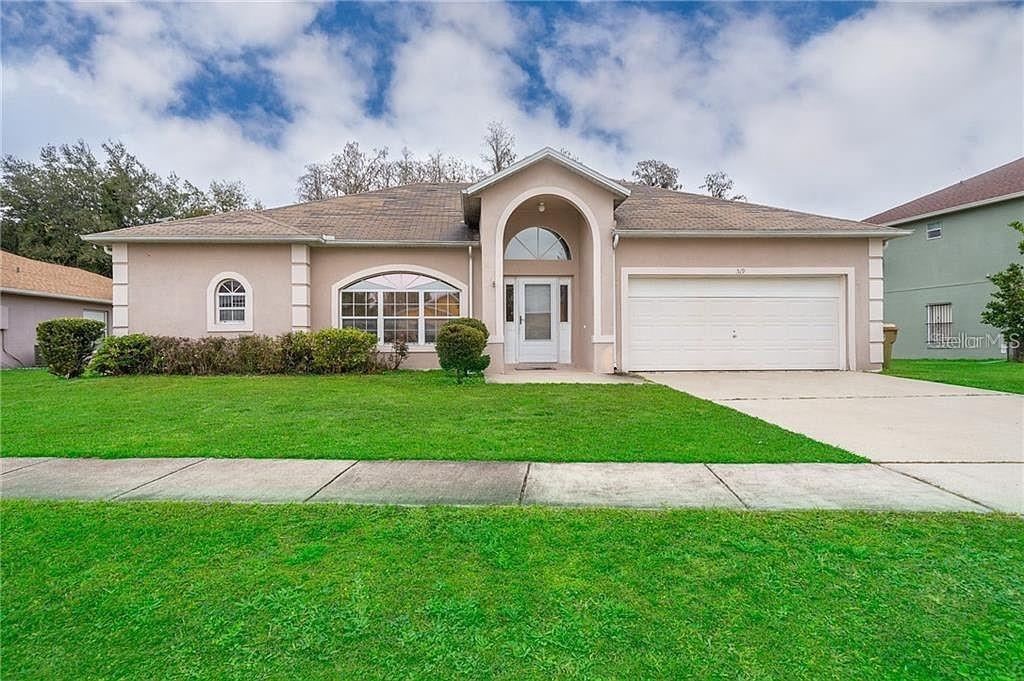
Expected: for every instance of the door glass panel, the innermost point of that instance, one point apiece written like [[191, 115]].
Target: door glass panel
[[537, 311]]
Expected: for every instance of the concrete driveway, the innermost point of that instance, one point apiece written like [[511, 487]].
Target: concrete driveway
[[966, 440]]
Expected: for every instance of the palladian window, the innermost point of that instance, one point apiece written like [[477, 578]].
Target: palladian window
[[399, 305], [537, 243]]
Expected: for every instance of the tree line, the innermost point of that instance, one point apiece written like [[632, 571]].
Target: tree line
[[47, 205]]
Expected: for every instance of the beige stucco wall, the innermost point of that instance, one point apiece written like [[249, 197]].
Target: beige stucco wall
[[168, 283], [23, 313], [330, 265], [167, 286], [761, 252], [596, 205]]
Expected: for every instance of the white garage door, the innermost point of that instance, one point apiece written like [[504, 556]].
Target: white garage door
[[721, 323]]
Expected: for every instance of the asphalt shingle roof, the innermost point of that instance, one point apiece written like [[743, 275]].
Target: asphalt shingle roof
[[426, 213], [1002, 181], [24, 274]]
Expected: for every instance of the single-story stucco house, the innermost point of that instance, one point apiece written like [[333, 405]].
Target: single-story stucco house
[[564, 265], [32, 291]]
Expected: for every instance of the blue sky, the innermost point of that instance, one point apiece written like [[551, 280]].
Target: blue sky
[[842, 108]]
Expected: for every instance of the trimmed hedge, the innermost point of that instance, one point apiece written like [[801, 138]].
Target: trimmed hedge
[[338, 351], [328, 351], [124, 355], [66, 343]]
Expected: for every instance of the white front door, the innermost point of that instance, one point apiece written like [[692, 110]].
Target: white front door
[[532, 320]]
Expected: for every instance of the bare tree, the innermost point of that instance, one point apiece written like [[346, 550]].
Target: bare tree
[[718, 185], [564, 151], [407, 169], [354, 171], [499, 147], [656, 173], [314, 184]]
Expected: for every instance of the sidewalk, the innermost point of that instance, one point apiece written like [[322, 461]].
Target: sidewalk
[[634, 485]]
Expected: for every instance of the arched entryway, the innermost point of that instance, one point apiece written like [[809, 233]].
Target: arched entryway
[[545, 268]]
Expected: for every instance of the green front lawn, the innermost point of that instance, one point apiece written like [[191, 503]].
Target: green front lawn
[[139, 590], [990, 374], [403, 415]]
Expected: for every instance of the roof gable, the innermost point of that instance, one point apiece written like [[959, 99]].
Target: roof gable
[[549, 154], [997, 184]]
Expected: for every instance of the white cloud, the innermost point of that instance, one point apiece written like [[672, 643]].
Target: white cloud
[[875, 110]]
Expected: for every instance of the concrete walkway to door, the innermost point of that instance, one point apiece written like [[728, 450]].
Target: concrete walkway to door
[[966, 440]]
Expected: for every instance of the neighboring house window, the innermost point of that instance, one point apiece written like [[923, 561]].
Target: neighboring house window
[[230, 302], [537, 243], [933, 230], [939, 323], [399, 305], [98, 315]]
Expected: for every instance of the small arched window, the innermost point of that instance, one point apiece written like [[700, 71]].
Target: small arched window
[[537, 243], [231, 297]]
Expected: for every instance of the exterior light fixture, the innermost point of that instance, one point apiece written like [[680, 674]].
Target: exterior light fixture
[[540, 207]]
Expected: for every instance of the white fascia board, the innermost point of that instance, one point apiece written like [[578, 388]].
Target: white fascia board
[[113, 239], [757, 233], [47, 294]]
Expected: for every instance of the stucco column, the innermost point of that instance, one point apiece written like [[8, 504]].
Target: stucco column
[[875, 303], [119, 312], [300, 288]]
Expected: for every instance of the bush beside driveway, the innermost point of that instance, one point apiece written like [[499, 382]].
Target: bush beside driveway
[[400, 415]]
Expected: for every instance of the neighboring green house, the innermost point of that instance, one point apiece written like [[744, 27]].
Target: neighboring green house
[[935, 285]]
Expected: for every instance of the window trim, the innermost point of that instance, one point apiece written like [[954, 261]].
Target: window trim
[[937, 224], [465, 301], [561, 240], [213, 325]]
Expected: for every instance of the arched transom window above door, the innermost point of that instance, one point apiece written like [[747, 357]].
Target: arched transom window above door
[[399, 305], [537, 243]]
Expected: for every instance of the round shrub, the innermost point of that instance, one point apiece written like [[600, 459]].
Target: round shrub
[[337, 351], [66, 343], [473, 323], [460, 349], [124, 355]]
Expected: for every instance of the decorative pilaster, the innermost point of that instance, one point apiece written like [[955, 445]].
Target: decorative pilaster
[[119, 315], [876, 294], [300, 288]]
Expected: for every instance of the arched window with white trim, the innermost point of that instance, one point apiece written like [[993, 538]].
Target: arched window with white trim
[[397, 305], [231, 295], [229, 303], [537, 243]]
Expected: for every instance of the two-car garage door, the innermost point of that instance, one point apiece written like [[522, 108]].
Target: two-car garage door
[[723, 323]]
